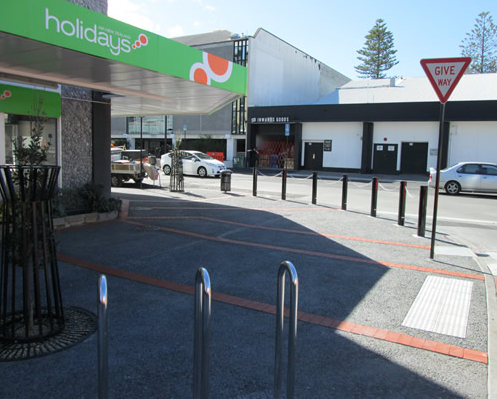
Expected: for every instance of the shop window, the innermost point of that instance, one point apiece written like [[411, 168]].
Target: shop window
[[18, 130], [240, 145]]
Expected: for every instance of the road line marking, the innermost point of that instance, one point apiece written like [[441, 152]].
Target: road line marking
[[225, 208], [445, 218], [311, 233], [313, 253], [453, 250], [327, 322]]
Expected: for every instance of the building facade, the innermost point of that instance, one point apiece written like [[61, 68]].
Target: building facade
[[383, 126], [278, 74], [68, 64], [68, 130]]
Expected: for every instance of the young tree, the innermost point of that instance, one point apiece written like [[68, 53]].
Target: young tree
[[378, 54], [481, 45]]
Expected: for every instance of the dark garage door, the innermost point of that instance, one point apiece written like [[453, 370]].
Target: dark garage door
[[313, 157], [385, 158], [414, 158]]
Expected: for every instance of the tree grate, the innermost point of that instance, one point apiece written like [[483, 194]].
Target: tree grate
[[79, 325]]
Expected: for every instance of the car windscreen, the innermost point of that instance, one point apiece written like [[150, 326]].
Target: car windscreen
[[201, 155]]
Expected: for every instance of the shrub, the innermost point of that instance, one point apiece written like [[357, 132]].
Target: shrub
[[88, 198]]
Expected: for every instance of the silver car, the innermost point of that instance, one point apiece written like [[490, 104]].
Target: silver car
[[467, 176]]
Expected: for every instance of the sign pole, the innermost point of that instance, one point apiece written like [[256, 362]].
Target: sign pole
[[287, 152], [443, 74], [437, 180]]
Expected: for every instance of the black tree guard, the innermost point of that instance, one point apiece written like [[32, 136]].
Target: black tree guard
[[177, 182], [30, 296]]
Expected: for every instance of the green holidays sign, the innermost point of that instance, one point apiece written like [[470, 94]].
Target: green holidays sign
[[63, 24], [24, 101]]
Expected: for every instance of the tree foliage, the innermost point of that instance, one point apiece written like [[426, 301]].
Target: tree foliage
[[32, 151], [481, 45], [378, 53]]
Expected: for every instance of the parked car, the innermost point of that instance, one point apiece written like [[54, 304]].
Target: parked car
[[467, 176], [194, 163]]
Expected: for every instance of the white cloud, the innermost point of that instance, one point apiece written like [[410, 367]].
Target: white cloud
[[210, 8], [176, 30], [132, 13]]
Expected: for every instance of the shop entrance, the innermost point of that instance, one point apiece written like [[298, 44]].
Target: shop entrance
[[276, 154], [313, 156], [385, 158], [414, 158]]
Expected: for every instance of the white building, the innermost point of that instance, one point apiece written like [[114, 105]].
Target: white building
[[384, 126], [278, 74]]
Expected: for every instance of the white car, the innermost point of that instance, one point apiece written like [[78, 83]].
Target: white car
[[194, 163], [467, 176]]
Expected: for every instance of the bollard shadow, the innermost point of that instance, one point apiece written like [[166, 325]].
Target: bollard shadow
[[242, 244]]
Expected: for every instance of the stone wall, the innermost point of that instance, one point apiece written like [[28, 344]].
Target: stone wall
[[76, 133], [76, 129]]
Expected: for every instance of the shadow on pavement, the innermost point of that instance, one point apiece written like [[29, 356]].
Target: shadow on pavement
[[151, 329]]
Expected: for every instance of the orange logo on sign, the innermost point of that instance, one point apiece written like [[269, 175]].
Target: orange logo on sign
[[211, 68], [6, 94], [141, 41]]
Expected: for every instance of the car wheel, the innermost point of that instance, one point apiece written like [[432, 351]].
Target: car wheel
[[167, 169], [116, 181], [202, 172], [453, 187]]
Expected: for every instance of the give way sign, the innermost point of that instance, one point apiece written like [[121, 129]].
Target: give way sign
[[444, 74]]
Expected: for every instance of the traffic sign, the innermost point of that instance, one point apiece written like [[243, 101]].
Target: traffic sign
[[287, 129], [444, 74]]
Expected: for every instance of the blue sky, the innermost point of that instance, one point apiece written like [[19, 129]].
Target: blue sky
[[331, 31]]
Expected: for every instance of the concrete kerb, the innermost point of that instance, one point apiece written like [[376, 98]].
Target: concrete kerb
[[83, 218], [353, 176], [490, 284], [491, 290]]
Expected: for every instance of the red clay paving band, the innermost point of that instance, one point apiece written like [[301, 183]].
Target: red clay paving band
[[327, 322], [313, 253]]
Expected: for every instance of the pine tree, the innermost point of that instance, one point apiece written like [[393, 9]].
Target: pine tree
[[481, 45], [378, 54]]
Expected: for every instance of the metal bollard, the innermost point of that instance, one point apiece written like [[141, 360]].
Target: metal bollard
[[402, 204], [283, 185], [201, 334], [254, 181], [374, 196], [314, 187], [280, 324], [103, 354], [423, 200], [345, 187]]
